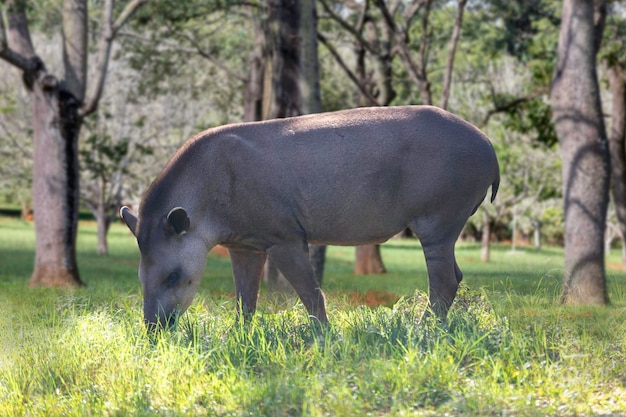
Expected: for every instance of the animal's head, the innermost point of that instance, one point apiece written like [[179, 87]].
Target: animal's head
[[173, 258]]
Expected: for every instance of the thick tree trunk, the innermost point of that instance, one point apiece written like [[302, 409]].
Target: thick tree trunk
[[281, 92], [617, 135], [577, 114], [55, 184], [368, 260]]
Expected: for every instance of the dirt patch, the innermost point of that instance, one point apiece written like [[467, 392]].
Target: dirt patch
[[220, 251], [614, 266], [373, 298]]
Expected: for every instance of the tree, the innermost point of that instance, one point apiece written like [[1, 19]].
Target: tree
[[579, 124], [311, 98], [58, 108], [106, 160], [381, 31]]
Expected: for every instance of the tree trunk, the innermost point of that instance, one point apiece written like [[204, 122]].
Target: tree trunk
[[485, 252], [617, 134], [537, 234], [57, 118], [514, 232], [368, 260], [311, 99], [55, 184], [281, 92], [281, 85], [454, 40], [577, 113], [103, 221], [253, 94]]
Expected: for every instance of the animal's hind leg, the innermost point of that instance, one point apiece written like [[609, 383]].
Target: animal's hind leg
[[438, 236], [443, 277]]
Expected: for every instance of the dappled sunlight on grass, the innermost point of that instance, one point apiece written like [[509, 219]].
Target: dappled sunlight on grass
[[507, 348]]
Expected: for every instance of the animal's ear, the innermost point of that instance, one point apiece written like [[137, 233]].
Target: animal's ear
[[129, 218], [178, 220]]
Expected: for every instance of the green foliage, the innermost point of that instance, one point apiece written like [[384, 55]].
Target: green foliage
[[552, 224], [612, 50], [525, 29], [103, 156], [506, 348], [532, 117]]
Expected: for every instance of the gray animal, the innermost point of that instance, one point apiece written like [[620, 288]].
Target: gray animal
[[267, 189]]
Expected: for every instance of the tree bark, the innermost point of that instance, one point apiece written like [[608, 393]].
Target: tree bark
[[55, 183], [617, 135], [577, 113]]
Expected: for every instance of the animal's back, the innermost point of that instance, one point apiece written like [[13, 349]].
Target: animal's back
[[353, 176]]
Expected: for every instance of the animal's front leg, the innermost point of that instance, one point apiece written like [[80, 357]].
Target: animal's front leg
[[247, 271], [293, 261]]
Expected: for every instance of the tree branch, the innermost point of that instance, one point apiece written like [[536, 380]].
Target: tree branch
[[206, 55], [356, 32], [109, 31], [347, 70], [126, 14], [454, 40], [9, 55], [501, 108]]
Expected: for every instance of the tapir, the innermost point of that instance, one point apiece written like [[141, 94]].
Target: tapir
[[268, 189]]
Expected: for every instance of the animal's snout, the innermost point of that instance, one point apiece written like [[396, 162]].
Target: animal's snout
[[159, 319]]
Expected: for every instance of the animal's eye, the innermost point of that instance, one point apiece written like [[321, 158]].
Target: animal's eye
[[173, 278]]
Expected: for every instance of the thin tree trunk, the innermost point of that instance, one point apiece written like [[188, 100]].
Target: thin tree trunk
[[102, 222], [577, 113], [454, 40], [485, 252], [537, 234], [514, 232]]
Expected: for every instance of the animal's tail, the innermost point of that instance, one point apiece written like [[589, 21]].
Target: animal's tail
[[495, 185]]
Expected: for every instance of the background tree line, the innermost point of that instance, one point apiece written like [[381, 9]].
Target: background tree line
[[161, 70]]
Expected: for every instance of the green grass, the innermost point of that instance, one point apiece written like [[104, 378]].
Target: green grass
[[507, 349]]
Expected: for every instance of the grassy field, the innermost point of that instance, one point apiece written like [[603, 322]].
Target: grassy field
[[507, 349]]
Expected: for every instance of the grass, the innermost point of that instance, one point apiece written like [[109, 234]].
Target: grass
[[507, 349]]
